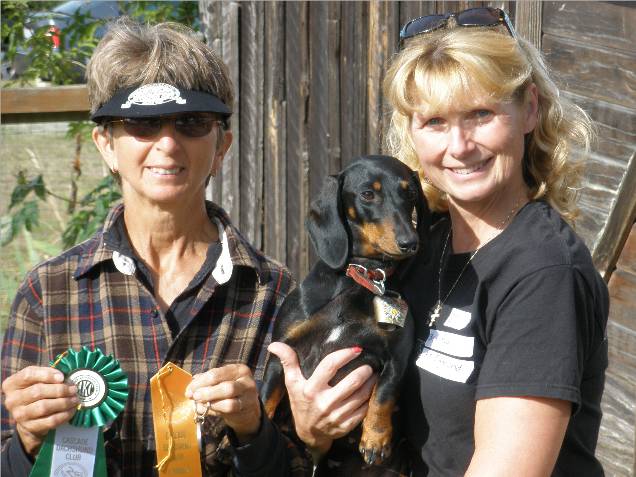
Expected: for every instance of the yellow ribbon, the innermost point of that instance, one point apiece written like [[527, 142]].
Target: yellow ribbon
[[175, 427]]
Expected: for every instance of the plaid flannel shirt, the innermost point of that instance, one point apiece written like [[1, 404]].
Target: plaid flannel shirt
[[80, 299]]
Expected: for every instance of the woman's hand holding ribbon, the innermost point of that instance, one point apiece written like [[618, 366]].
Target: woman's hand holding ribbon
[[229, 392], [39, 400]]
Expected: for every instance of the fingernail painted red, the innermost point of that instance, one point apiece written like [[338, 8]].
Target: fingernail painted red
[[357, 349]]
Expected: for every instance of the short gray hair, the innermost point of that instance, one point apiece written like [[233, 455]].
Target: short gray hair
[[132, 54]]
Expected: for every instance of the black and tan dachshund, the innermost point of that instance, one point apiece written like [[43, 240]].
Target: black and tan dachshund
[[362, 227]]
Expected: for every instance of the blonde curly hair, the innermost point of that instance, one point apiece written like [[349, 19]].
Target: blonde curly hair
[[449, 67]]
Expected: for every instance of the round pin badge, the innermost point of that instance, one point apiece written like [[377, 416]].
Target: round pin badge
[[124, 264], [91, 387]]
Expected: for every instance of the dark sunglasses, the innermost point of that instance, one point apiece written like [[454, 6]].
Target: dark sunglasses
[[471, 17], [190, 125]]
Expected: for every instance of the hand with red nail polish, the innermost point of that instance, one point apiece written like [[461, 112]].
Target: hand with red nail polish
[[322, 412]]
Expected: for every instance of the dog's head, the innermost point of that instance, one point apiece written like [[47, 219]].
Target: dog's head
[[368, 211]]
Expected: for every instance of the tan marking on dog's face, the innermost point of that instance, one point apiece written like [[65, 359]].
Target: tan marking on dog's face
[[351, 212], [378, 238], [377, 186], [404, 185]]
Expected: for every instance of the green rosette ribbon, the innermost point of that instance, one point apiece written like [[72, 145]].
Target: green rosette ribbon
[[102, 388]]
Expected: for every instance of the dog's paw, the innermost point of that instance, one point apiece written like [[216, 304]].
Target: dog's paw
[[375, 447]]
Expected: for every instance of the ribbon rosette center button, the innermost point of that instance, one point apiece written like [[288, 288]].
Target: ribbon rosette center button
[[91, 387]]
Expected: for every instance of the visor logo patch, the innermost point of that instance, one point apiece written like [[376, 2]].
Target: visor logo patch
[[153, 94]]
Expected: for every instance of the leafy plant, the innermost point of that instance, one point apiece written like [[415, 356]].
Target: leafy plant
[[24, 209], [60, 55], [93, 210], [54, 55]]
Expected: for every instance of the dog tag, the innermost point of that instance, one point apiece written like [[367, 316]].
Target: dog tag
[[390, 309]]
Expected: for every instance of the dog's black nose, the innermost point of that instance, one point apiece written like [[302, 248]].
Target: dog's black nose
[[408, 246]]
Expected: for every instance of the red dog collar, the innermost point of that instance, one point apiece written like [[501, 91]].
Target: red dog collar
[[372, 280]]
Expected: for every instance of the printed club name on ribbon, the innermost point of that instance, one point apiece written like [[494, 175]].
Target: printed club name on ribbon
[[77, 448]]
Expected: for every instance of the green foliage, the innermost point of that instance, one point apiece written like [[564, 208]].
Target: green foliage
[[83, 128], [93, 210], [24, 215], [155, 12], [77, 40], [61, 65]]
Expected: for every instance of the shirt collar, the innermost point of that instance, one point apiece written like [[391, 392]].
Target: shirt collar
[[236, 252]]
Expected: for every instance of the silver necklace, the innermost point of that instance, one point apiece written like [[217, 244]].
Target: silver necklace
[[436, 310], [438, 306]]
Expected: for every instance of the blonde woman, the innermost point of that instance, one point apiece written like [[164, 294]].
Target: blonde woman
[[511, 350]]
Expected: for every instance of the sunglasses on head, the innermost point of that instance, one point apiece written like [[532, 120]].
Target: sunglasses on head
[[190, 125], [471, 17]]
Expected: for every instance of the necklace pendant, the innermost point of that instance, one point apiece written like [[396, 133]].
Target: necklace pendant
[[434, 314]]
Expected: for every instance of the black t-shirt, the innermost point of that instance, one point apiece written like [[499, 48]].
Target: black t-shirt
[[526, 318]]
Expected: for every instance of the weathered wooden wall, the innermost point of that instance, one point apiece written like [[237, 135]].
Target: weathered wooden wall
[[590, 47], [617, 442], [308, 76]]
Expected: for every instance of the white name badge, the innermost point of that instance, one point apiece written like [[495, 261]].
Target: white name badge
[[450, 343], [74, 450], [458, 319], [447, 367]]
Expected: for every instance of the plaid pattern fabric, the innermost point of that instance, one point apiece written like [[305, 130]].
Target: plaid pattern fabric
[[80, 299]]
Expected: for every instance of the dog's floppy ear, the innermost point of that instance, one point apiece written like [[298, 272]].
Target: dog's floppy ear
[[326, 227]]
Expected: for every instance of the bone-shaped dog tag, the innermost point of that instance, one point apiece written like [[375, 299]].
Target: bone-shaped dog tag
[[390, 309]]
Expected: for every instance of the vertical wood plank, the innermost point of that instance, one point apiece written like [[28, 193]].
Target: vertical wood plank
[[296, 90], [333, 86], [528, 15], [318, 119], [275, 176], [411, 10], [383, 39], [353, 67], [318, 95], [211, 16], [376, 49], [347, 75], [222, 33], [251, 113]]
